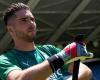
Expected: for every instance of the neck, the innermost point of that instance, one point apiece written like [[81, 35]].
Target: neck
[[24, 46]]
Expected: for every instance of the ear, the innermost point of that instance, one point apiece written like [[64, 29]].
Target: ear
[[9, 29]]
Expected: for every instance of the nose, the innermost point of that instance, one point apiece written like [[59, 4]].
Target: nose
[[31, 23]]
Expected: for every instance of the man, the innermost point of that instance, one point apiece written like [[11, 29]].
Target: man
[[28, 62]]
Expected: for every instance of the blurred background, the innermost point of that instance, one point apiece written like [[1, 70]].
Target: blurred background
[[58, 21]]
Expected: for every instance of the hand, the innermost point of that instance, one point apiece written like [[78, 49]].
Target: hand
[[75, 51]]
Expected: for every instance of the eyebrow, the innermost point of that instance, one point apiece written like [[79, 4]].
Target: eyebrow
[[22, 18], [25, 18]]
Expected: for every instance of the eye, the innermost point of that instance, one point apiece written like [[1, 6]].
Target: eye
[[24, 19], [32, 19]]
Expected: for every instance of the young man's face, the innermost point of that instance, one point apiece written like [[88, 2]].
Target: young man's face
[[24, 25]]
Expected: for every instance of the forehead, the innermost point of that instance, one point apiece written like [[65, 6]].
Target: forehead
[[23, 13]]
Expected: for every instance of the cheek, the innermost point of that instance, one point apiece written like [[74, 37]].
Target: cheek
[[20, 24], [18, 29]]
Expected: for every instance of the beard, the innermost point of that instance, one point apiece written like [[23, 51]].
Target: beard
[[28, 37]]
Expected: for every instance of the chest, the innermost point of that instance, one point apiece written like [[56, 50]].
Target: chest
[[26, 60]]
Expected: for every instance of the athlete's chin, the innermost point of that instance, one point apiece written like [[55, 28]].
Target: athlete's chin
[[32, 38], [32, 34]]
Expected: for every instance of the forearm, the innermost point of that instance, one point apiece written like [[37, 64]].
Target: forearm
[[84, 72], [38, 72]]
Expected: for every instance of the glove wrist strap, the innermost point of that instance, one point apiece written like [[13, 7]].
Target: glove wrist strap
[[55, 62]]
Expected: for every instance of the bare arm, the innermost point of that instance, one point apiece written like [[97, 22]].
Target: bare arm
[[84, 72], [38, 72], [43, 70]]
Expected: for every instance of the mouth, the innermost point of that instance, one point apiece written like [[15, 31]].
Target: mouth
[[31, 29], [32, 32]]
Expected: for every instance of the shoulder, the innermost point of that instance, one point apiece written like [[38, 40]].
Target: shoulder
[[7, 57], [51, 49], [6, 54], [7, 64]]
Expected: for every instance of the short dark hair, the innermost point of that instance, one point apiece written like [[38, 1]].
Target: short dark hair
[[12, 9]]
